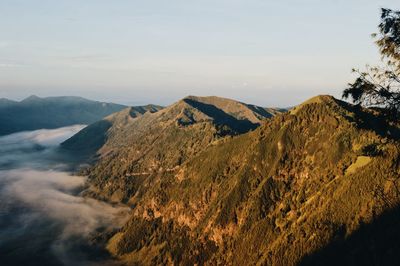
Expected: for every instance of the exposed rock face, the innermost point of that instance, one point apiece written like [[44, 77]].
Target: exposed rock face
[[276, 195]]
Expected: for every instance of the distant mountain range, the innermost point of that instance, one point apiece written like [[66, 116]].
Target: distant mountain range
[[218, 182], [51, 112]]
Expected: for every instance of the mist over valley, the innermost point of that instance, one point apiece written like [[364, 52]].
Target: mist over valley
[[43, 218]]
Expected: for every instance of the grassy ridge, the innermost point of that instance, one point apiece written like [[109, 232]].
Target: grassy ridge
[[274, 196], [136, 148]]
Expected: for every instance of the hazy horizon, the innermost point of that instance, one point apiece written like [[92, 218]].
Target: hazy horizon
[[132, 52], [136, 103]]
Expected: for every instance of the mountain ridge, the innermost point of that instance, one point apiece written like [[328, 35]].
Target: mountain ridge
[[34, 112], [162, 140], [273, 196]]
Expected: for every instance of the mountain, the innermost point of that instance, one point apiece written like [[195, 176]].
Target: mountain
[[6, 102], [318, 185], [131, 147], [91, 138], [51, 112]]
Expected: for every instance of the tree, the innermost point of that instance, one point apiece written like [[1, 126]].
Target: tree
[[379, 86]]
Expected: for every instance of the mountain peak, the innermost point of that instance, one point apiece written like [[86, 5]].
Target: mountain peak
[[215, 100], [239, 110], [319, 99], [324, 98], [31, 98], [133, 112]]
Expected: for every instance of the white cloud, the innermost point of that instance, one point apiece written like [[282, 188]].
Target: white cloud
[[43, 200]]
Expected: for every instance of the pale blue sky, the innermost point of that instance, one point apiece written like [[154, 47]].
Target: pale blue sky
[[272, 53]]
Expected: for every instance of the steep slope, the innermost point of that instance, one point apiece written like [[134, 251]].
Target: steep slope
[[237, 109], [162, 141], [91, 138], [273, 196], [51, 112]]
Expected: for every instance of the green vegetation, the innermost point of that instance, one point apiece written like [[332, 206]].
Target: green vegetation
[[379, 86], [135, 148], [276, 195], [90, 139]]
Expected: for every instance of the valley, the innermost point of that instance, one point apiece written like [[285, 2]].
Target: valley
[[43, 218]]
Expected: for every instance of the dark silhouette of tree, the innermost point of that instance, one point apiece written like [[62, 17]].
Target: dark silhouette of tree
[[379, 86]]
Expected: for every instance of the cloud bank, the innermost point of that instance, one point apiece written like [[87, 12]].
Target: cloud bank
[[40, 201]]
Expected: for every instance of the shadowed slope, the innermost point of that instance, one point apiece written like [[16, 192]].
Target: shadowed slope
[[239, 110], [222, 118], [374, 243], [271, 196], [162, 141], [51, 112], [90, 139]]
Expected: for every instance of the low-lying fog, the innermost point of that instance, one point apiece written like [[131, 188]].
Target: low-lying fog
[[43, 219]]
